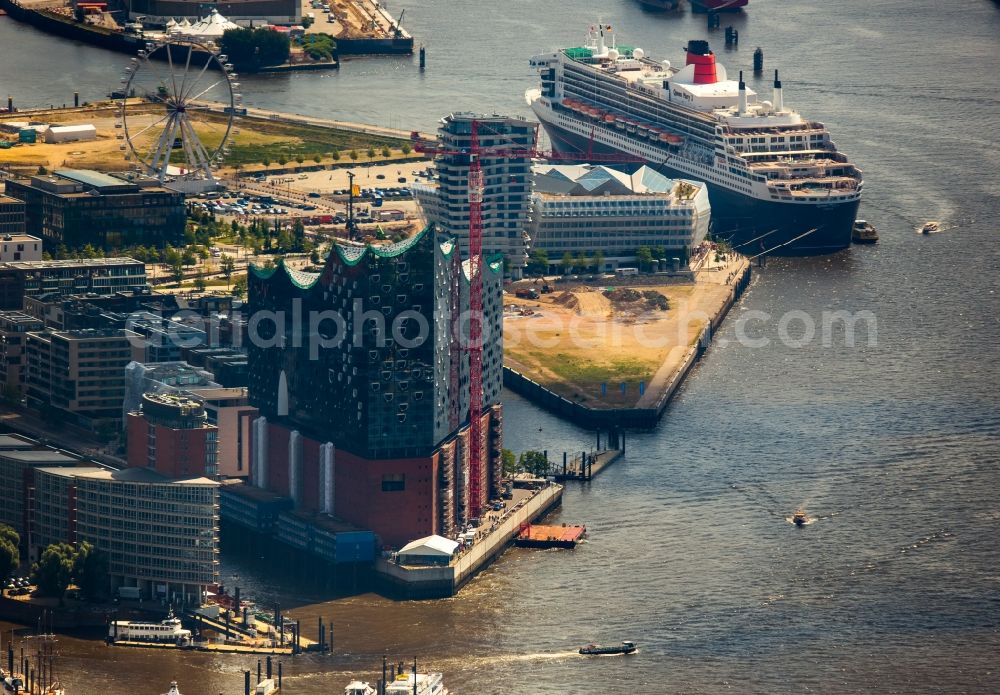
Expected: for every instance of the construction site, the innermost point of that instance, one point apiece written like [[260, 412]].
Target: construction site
[[613, 344]]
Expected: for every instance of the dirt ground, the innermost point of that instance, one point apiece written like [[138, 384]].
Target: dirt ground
[[105, 153], [575, 344]]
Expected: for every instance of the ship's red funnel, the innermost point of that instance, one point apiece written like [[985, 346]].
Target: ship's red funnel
[[703, 59]]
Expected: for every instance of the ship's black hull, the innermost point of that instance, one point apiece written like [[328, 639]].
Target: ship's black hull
[[753, 226]]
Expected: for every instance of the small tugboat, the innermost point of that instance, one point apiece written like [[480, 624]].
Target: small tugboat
[[626, 647], [930, 227], [174, 690], [863, 233], [799, 518]]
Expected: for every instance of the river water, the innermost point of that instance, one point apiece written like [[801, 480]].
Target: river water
[[892, 445]]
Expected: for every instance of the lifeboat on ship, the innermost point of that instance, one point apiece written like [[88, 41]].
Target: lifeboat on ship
[[630, 126], [609, 118], [620, 122]]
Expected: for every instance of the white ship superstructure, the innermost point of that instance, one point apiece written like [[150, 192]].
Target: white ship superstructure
[[168, 630], [772, 174]]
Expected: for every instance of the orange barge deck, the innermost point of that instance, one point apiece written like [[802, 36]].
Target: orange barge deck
[[540, 536]]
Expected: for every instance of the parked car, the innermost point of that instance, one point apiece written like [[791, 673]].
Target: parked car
[[380, 176]]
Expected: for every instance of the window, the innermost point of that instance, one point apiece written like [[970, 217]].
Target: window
[[393, 482]]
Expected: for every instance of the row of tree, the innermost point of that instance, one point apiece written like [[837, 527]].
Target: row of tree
[[59, 565], [586, 261], [531, 462]]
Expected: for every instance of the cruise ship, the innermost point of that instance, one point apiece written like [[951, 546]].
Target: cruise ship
[[776, 182]]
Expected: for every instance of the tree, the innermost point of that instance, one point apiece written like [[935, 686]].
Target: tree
[[317, 158], [240, 286], [266, 161], [406, 149], [538, 262], [299, 159], [298, 236], [581, 261], [599, 260], [251, 48], [177, 272], [335, 155], [386, 152], [91, 571], [534, 462], [509, 462], [371, 153], [53, 571], [567, 263], [227, 265], [353, 154], [282, 160], [9, 556], [200, 284], [644, 257], [314, 257]]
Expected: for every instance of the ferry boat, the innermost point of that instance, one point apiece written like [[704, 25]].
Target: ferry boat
[[426, 684], [359, 688], [776, 181], [168, 630]]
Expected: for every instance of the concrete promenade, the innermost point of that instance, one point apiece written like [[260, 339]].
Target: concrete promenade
[[412, 582]]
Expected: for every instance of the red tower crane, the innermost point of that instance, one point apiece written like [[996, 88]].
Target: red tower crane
[[474, 346]]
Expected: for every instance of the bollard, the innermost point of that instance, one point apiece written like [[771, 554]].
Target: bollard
[[76, 100], [246, 683], [258, 670], [268, 666], [423, 57], [279, 674], [10, 103]]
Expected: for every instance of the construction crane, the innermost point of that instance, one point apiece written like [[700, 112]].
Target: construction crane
[[474, 347]]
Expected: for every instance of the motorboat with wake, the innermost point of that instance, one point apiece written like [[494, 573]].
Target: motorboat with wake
[[626, 647]]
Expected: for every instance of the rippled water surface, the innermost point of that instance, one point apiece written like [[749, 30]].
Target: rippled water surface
[[892, 445]]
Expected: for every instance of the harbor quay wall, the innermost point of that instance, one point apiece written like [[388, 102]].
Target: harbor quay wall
[[406, 583], [29, 613], [635, 418]]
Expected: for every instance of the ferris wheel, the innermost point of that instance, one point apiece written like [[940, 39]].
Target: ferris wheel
[[190, 104]]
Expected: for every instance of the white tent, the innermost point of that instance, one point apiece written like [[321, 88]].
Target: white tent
[[211, 27], [432, 550], [69, 133]]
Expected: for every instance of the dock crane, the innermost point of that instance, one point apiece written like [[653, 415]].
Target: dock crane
[[475, 153]]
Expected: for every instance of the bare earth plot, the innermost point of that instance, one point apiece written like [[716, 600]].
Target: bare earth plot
[[573, 342]]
